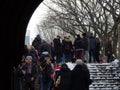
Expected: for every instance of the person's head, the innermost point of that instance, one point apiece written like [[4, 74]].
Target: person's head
[[84, 34], [110, 38], [58, 37], [91, 34], [38, 36], [97, 39], [23, 59], [68, 36], [47, 58], [64, 67], [65, 37], [79, 62], [78, 35], [28, 59]]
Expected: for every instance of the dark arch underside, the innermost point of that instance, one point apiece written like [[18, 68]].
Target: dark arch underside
[[15, 15]]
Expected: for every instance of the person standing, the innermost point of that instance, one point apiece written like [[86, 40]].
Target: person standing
[[33, 52], [58, 49], [30, 73], [98, 48], [37, 42], [45, 46], [85, 48], [92, 48], [78, 47], [47, 69], [65, 77], [108, 49], [67, 49], [80, 77], [20, 73]]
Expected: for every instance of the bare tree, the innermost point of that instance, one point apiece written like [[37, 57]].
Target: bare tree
[[113, 7], [74, 16], [48, 29]]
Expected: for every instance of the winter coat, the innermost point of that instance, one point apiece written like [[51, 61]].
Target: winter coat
[[32, 52], [92, 43], [65, 79], [85, 43], [67, 47], [108, 49], [36, 42], [80, 78], [98, 46], [47, 73], [57, 46], [45, 47], [78, 43], [33, 73]]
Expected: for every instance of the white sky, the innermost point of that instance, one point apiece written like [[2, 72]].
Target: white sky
[[36, 19], [37, 16]]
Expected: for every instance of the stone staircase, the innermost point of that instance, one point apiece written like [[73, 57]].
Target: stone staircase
[[105, 76]]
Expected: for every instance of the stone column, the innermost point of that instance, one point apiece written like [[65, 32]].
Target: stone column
[[119, 41]]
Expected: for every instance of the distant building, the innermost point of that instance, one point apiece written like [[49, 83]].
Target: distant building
[[29, 37]]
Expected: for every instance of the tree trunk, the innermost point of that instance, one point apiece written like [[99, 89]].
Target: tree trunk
[[103, 41]]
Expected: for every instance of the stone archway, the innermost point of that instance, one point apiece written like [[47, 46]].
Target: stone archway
[[15, 16]]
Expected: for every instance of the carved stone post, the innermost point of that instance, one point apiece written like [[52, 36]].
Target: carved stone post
[[119, 41]]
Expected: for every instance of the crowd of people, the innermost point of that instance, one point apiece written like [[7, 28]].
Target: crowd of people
[[48, 63], [48, 74], [63, 49]]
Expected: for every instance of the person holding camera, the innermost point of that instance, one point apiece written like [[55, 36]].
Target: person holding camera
[[47, 70]]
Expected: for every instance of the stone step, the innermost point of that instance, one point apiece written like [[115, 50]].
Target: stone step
[[104, 76]]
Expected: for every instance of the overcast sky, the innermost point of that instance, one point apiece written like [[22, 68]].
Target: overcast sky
[[37, 16]]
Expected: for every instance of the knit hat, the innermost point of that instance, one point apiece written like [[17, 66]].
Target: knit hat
[[29, 57], [79, 62], [45, 53]]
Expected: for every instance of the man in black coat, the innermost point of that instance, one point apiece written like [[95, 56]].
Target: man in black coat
[[92, 48], [58, 48], [78, 47], [80, 77], [85, 47]]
